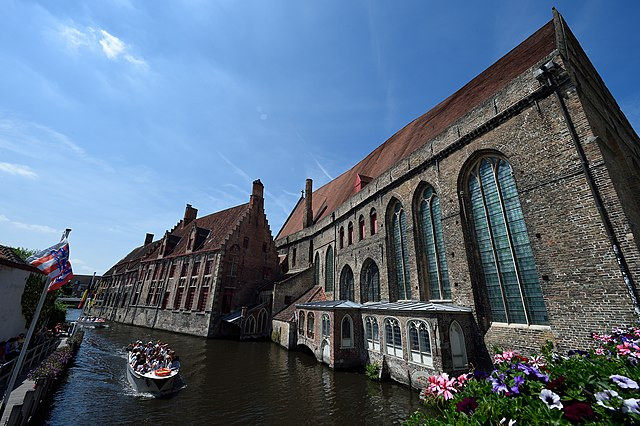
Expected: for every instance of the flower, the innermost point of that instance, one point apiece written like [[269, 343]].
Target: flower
[[467, 405], [532, 371], [498, 384], [440, 385], [624, 382], [551, 399], [631, 406], [498, 359], [517, 382], [556, 384], [578, 411], [599, 351], [577, 352], [537, 361], [511, 422], [462, 378], [604, 396], [507, 355]]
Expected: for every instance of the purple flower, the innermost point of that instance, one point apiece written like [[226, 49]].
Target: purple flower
[[624, 382], [498, 385], [467, 405], [606, 396], [551, 399], [631, 406], [578, 411]]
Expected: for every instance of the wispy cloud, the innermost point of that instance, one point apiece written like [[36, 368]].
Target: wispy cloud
[[80, 265], [18, 170], [99, 40], [326, 173], [28, 226]]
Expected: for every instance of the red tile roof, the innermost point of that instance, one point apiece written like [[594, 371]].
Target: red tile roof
[[428, 126], [9, 258], [315, 294]]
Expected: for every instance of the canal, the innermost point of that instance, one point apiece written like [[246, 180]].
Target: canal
[[225, 382]]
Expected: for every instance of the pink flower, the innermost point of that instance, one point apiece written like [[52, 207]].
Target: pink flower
[[625, 348], [441, 385], [498, 359], [507, 355], [537, 361], [600, 351], [462, 378]]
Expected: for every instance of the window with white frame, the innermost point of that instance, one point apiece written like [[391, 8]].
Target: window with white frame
[[326, 326], [393, 337], [419, 342], [372, 333], [346, 332]]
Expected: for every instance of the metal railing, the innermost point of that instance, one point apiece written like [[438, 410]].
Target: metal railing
[[33, 356]]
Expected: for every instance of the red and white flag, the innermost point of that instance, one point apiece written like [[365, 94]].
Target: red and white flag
[[54, 262]]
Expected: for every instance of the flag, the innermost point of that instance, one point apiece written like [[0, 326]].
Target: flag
[[54, 262], [84, 299]]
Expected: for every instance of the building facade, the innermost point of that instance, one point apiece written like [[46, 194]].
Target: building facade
[[506, 216], [202, 277]]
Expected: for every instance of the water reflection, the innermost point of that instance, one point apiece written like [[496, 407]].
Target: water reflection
[[227, 382]]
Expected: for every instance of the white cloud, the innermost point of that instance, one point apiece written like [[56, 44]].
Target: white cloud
[[326, 173], [99, 40], [79, 265], [18, 170], [27, 226]]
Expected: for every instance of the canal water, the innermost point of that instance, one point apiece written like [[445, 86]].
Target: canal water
[[225, 382]]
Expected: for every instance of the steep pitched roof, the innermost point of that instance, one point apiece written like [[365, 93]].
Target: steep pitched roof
[[219, 225], [131, 259], [314, 294], [428, 126]]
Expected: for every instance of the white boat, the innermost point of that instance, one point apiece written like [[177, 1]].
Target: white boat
[[158, 381], [92, 322]]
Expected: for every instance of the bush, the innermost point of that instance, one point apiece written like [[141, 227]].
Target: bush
[[595, 386], [373, 371]]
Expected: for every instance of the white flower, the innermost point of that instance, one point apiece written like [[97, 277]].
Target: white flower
[[551, 399], [511, 422], [606, 395], [631, 406]]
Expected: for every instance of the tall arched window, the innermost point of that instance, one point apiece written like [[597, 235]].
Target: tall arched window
[[310, 324], [350, 234], [503, 245], [392, 337], [372, 333], [432, 241], [373, 217], [301, 322], [361, 227], [328, 274], [346, 332], [400, 251], [346, 284], [342, 237], [458, 347], [250, 325], [369, 282], [419, 342], [326, 326], [316, 265], [262, 321]]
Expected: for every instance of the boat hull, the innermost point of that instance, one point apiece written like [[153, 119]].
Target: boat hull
[[154, 385]]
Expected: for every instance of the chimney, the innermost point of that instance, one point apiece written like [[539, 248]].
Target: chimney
[[308, 204], [257, 193], [189, 214], [148, 239]]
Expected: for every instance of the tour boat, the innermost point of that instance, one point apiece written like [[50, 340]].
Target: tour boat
[[92, 322], [157, 381]]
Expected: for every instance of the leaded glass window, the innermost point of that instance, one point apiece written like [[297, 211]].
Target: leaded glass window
[[503, 245], [400, 251], [346, 284], [419, 343], [369, 282], [328, 275], [310, 325], [326, 326], [372, 334], [430, 224], [316, 265], [346, 333], [301, 322], [392, 337]]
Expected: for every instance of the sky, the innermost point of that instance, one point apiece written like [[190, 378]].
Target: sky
[[115, 114]]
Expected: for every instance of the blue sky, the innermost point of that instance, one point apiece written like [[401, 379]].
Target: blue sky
[[115, 114]]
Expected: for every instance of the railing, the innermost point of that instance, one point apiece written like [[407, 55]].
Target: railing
[[33, 356]]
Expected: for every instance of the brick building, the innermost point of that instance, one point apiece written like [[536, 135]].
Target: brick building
[[202, 277], [506, 216]]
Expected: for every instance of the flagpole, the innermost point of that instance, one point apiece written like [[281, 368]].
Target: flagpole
[[86, 301], [18, 366]]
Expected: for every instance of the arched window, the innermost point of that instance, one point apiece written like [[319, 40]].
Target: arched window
[[316, 265], [310, 324], [400, 251], [342, 237], [458, 347], [301, 323], [419, 342], [250, 325], [373, 218], [346, 284], [372, 333], [503, 245], [346, 332], [262, 321], [432, 241], [392, 337], [350, 234], [326, 326], [369, 282], [328, 275], [361, 227]]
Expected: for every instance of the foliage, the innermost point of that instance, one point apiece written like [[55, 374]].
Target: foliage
[[373, 371], [595, 386], [52, 312], [55, 364], [24, 253]]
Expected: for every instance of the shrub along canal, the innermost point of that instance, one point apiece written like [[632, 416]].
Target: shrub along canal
[[225, 382]]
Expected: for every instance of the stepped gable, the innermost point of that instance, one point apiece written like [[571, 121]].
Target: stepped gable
[[9, 258], [219, 225], [428, 126], [314, 294]]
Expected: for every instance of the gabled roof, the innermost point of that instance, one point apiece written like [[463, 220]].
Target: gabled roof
[[313, 294], [219, 225], [428, 126], [131, 259]]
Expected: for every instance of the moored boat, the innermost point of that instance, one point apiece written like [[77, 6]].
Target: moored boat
[[92, 322]]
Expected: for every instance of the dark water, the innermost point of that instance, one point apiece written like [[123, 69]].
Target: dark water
[[226, 382]]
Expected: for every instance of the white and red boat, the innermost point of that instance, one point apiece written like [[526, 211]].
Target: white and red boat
[[157, 381]]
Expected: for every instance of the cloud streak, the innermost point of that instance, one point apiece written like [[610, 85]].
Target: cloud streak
[[18, 170], [27, 226]]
